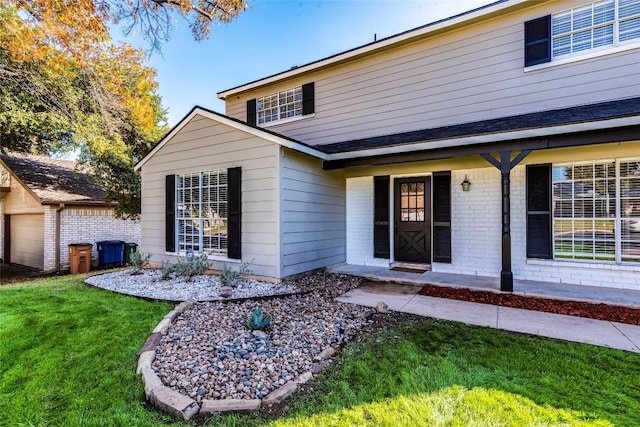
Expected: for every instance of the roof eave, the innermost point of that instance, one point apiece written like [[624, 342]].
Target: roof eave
[[220, 118], [489, 138], [465, 18]]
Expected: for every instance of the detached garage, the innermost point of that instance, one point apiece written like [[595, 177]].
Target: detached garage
[[46, 204]]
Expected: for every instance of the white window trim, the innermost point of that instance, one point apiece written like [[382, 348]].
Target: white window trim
[[178, 251], [617, 46], [277, 95], [576, 57], [287, 120], [617, 261]]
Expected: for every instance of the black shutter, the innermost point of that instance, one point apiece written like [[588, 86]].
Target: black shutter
[[308, 99], [251, 112], [234, 208], [170, 213], [442, 216], [539, 211], [381, 217], [537, 41]]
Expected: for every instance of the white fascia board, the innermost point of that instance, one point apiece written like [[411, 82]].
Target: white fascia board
[[234, 124], [407, 35], [489, 138]]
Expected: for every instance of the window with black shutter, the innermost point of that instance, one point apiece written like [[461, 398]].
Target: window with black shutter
[[234, 200], [381, 217], [537, 41], [539, 211], [170, 213], [251, 112], [308, 99], [442, 216]]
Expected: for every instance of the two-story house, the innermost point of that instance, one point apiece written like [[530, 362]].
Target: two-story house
[[501, 142]]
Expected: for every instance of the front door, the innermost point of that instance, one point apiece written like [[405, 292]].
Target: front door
[[413, 220]]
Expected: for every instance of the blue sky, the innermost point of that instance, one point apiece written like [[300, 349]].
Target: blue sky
[[275, 35]]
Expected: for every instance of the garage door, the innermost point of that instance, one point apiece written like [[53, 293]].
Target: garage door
[[27, 240]]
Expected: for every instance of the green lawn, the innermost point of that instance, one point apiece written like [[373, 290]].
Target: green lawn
[[68, 356]]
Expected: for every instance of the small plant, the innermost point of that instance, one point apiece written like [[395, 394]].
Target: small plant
[[259, 319], [188, 268], [167, 270], [230, 277], [139, 261]]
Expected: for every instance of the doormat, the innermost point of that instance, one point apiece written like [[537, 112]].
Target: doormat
[[416, 270]]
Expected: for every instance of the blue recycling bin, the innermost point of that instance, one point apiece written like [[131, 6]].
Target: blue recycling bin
[[110, 253]]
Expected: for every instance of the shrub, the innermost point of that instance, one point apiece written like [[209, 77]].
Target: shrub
[[167, 270], [187, 268], [230, 277], [195, 266], [259, 319], [138, 262]]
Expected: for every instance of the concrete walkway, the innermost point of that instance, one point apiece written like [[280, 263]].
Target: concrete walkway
[[404, 298]]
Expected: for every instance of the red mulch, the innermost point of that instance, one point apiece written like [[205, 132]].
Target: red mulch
[[608, 312]]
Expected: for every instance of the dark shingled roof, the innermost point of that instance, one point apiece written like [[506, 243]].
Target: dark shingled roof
[[564, 116], [54, 180]]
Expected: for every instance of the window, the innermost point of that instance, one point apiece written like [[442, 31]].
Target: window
[[202, 212], [596, 211], [596, 25], [412, 202], [290, 104], [279, 106]]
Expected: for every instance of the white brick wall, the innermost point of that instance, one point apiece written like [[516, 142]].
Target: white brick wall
[[360, 223], [475, 224], [91, 225], [49, 238], [476, 237]]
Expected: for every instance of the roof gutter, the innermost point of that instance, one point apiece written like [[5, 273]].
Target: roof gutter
[[465, 18], [488, 138]]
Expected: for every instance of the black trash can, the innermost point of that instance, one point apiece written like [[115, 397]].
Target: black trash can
[[110, 253], [129, 250]]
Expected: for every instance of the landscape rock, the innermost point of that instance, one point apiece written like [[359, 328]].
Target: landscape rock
[[210, 407], [382, 307]]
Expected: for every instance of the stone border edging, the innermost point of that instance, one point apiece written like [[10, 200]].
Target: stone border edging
[[174, 402]]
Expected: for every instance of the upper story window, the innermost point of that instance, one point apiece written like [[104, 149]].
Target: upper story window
[[590, 27], [605, 23], [279, 106], [285, 105]]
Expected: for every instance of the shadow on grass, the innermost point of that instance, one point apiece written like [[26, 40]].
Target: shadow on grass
[[477, 376]]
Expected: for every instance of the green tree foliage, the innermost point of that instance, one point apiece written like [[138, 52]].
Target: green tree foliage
[[65, 86]]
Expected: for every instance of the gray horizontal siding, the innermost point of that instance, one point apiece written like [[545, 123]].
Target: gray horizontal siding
[[312, 215], [201, 145], [470, 74]]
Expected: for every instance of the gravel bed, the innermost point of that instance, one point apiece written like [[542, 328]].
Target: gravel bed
[[210, 353], [150, 284]]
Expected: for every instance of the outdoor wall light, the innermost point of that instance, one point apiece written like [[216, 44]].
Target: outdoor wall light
[[466, 185]]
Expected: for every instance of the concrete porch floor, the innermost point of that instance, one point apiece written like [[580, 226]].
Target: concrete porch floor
[[594, 294]]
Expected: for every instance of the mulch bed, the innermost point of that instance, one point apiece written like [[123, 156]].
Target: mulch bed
[[608, 312]]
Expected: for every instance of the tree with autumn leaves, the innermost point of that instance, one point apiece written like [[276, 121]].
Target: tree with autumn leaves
[[65, 85]]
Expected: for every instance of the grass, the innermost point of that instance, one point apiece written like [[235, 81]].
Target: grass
[[68, 356]]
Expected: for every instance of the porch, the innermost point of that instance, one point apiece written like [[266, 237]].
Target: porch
[[592, 294]]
